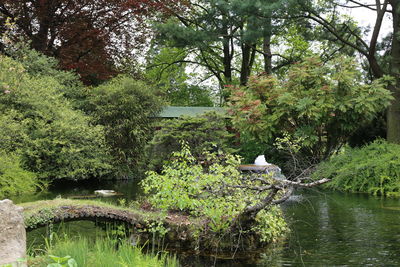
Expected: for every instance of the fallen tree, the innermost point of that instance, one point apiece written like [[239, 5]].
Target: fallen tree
[[239, 211]]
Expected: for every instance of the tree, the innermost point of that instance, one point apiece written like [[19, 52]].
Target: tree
[[87, 35], [204, 132], [125, 108], [344, 33], [172, 80], [229, 38], [38, 123], [234, 210], [320, 104]]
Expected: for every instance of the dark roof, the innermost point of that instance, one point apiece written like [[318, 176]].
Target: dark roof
[[175, 112]]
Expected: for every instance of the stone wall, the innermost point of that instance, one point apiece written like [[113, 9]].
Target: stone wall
[[12, 234]]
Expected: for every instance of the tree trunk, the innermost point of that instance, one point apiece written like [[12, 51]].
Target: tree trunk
[[227, 58], [244, 71], [393, 113], [267, 49]]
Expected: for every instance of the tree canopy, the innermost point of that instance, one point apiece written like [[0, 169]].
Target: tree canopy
[[88, 36]]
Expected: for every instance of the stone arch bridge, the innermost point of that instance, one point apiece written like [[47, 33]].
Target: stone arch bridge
[[41, 213]]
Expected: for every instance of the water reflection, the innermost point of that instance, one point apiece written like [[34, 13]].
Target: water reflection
[[342, 229]]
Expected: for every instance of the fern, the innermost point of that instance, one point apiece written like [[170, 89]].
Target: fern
[[373, 169]]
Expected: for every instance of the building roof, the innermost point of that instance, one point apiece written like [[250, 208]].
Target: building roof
[[175, 112]]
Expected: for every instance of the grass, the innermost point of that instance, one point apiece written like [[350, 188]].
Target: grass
[[103, 252]]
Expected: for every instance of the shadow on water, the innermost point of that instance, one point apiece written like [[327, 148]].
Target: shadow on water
[[327, 228]]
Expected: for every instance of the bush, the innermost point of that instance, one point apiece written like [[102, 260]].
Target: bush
[[52, 139], [204, 132], [374, 168], [321, 104], [125, 108], [37, 64], [13, 179]]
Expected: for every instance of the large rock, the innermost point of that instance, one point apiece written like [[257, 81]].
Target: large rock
[[12, 234]]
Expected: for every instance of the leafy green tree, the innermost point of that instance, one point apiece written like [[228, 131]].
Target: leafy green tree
[[219, 195], [52, 139], [125, 108], [230, 37], [227, 208], [319, 104], [37, 64], [167, 71], [204, 132]]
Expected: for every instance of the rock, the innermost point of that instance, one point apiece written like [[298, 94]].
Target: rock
[[12, 234]]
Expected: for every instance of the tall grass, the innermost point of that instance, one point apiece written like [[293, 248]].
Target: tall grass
[[105, 252]]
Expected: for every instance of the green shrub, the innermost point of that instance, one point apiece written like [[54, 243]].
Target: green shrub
[[37, 64], [204, 132], [13, 179], [125, 108], [374, 168], [52, 139]]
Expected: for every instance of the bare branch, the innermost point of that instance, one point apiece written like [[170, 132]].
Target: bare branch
[[377, 28], [305, 185]]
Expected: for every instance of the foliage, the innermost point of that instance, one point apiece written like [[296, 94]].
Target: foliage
[[125, 108], [88, 36], [37, 64], [172, 80], [66, 261], [378, 52], [191, 96], [214, 190], [323, 104], [203, 132], [103, 252], [374, 168], [52, 139], [13, 179], [270, 224], [231, 39]]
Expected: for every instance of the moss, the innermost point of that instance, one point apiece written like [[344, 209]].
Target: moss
[[43, 212]]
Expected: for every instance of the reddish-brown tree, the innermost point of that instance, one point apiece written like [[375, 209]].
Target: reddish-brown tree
[[85, 35]]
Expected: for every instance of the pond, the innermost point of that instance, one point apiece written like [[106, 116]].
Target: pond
[[327, 228]]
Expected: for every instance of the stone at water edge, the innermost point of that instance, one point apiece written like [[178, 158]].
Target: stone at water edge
[[12, 234]]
